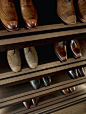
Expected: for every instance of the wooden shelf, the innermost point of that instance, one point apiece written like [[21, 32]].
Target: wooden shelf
[[41, 71], [18, 98], [54, 104]]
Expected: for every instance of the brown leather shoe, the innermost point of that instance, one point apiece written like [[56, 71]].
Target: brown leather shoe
[[75, 48], [82, 10], [65, 91], [35, 101], [29, 13], [72, 89], [60, 50], [27, 104], [8, 15], [66, 11]]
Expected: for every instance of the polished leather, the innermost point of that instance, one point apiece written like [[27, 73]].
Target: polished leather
[[35, 101], [81, 71], [27, 104], [29, 13], [46, 80], [82, 10], [60, 50], [66, 11], [73, 73], [72, 89], [65, 91], [8, 15], [35, 83], [75, 48]]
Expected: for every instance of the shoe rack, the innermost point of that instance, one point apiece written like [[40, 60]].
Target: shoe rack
[[41, 35]]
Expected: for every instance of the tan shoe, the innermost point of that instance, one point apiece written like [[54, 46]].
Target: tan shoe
[[82, 10], [65, 91], [29, 13], [72, 89], [31, 57], [8, 15], [14, 60], [66, 11]]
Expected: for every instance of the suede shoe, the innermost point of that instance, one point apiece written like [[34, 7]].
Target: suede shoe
[[8, 15], [66, 11], [14, 60], [31, 57], [29, 13], [60, 50], [82, 10]]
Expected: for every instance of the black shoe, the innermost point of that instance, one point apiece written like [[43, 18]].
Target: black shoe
[[35, 83], [73, 73], [81, 71], [46, 80]]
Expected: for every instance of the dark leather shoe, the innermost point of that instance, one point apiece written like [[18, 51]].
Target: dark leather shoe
[[72, 89], [75, 48], [29, 13], [82, 10], [73, 73], [81, 71], [46, 80], [65, 91], [66, 11], [8, 15], [27, 104], [60, 50], [35, 83], [35, 101]]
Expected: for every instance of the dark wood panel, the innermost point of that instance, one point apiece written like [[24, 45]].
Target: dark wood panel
[[40, 71], [40, 92]]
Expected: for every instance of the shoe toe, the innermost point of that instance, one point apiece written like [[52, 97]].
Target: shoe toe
[[64, 58], [12, 25], [31, 23], [33, 65], [27, 104], [16, 69], [35, 84], [72, 19]]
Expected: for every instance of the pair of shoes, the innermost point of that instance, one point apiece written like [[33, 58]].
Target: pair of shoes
[[36, 83], [66, 10], [68, 90], [75, 73], [14, 58], [27, 104], [61, 50], [9, 17]]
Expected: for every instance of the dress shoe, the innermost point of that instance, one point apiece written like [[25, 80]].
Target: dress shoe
[[29, 13], [35, 101], [73, 73], [8, 15], [75, 48], [65, 91], [35, 83], [82, 10], [66, 11], [27, 104], [72, 89], [81, 71], [46, 80], [60, 50], [14, 60], [31, 57]]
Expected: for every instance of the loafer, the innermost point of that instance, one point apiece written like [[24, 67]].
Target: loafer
[[75, 48], [35, 101], [27, 104], [35, 83], [72, 89], [81, 71], [73, 73], [60, 50], [82, 10], [8, 15], [65, 91], [31, 57], [14, 60], [46, 80], [66, 11], [29, 13]]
